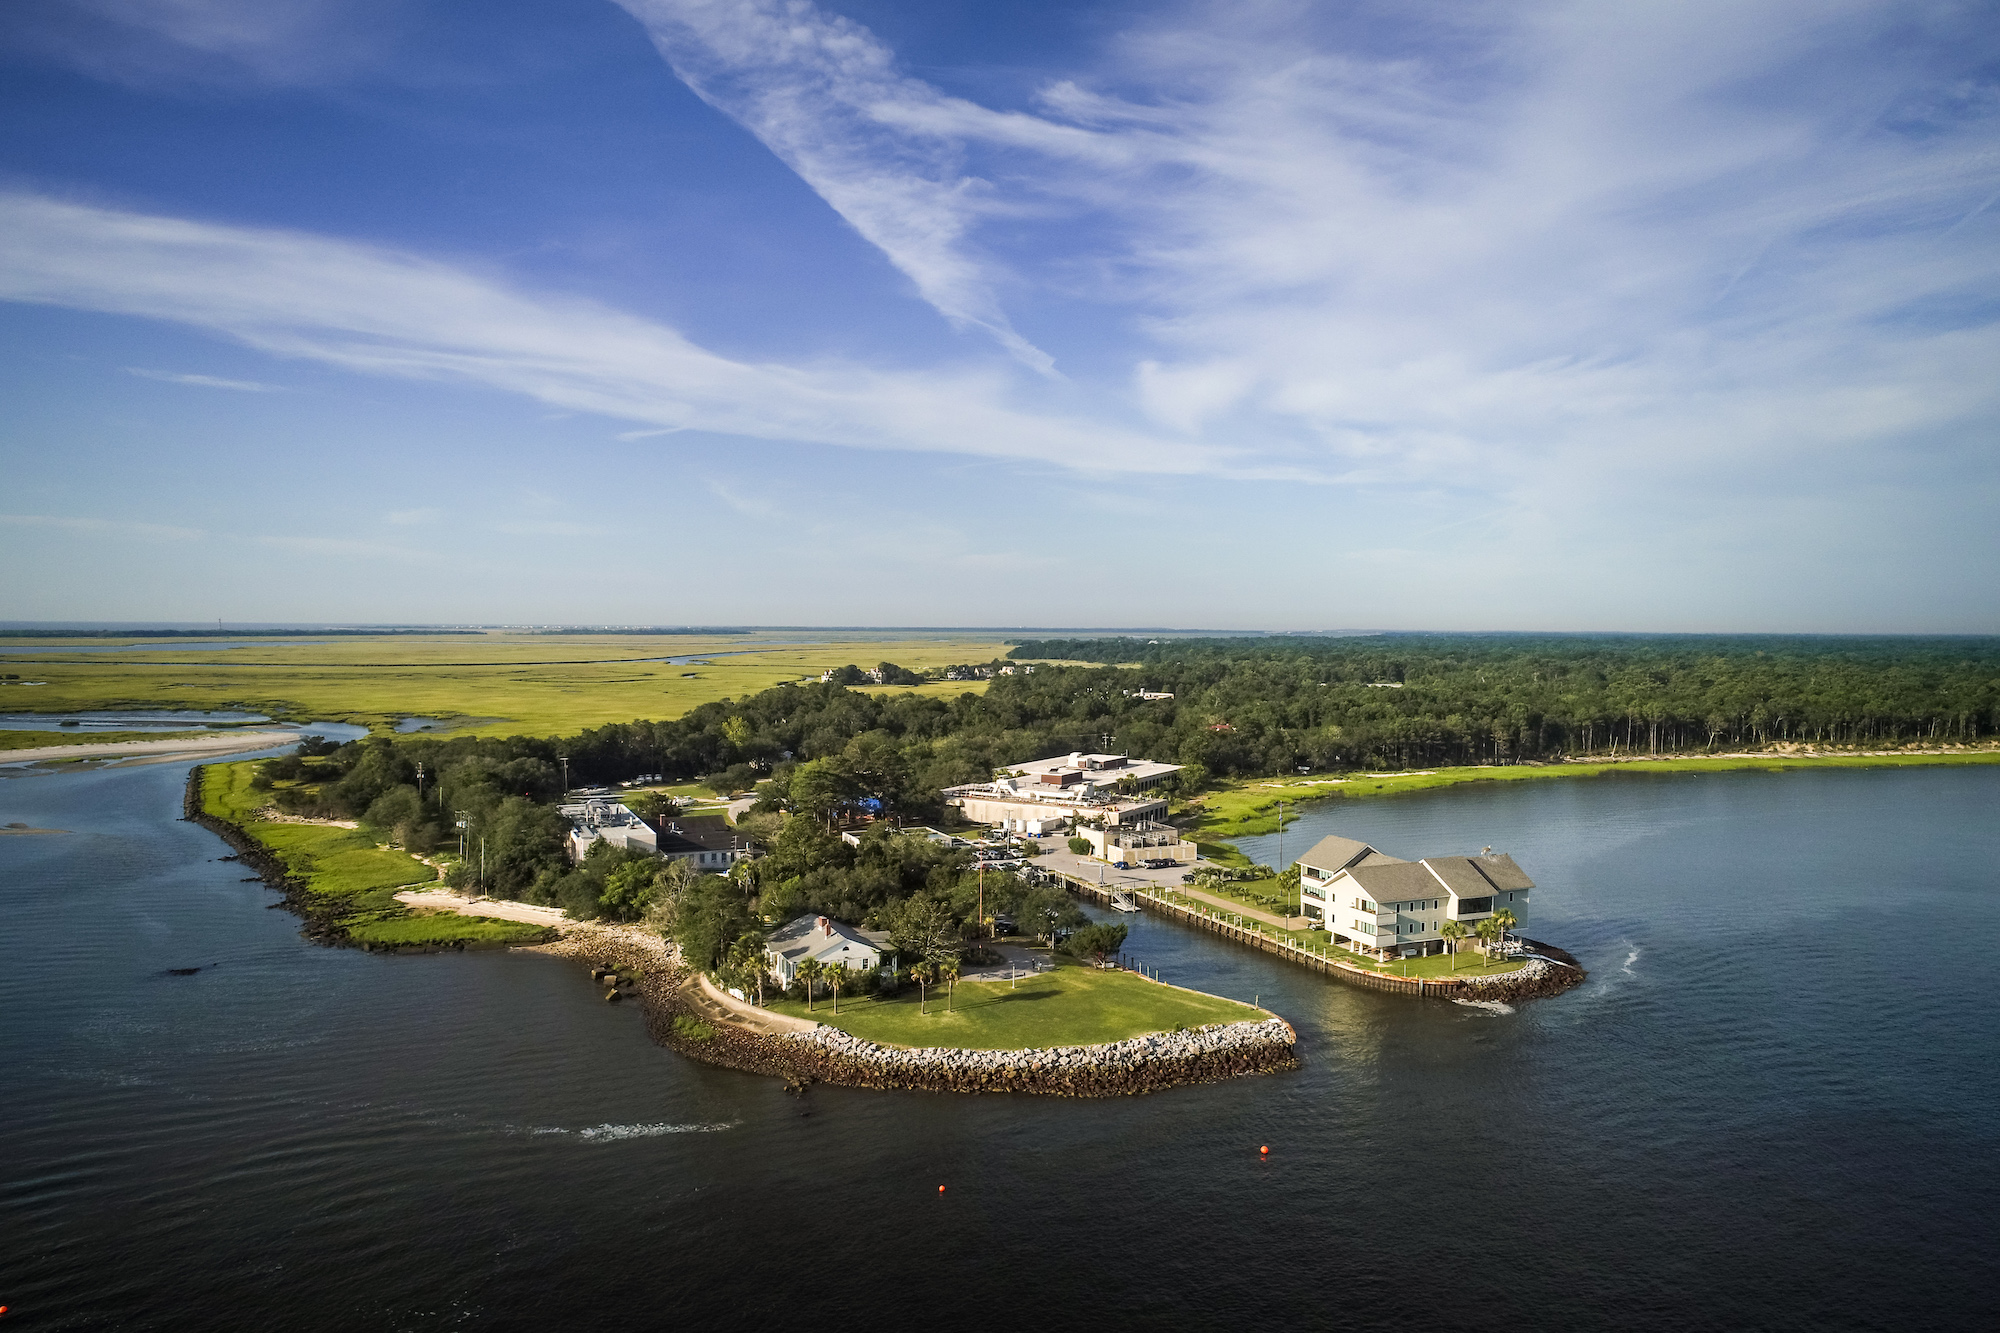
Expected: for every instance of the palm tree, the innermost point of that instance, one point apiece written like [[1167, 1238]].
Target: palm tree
[[835, 973], [1488, 932], [1506, 920], [924, 974], [1453, 932], [949, 971], [809, 972]]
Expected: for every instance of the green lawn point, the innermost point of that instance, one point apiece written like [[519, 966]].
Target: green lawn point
[[347, 864], [1076, 1005]]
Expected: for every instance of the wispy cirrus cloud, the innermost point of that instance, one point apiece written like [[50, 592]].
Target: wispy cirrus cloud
[[823, 94], [201, 381], [102, 527], [379, 311], [1478, 247]]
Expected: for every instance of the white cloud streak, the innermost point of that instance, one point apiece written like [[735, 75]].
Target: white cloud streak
[[825, 96], [102, 527], [377, 311], [201, 381]]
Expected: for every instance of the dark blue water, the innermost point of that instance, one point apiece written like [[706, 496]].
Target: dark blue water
[[1771, 1107]]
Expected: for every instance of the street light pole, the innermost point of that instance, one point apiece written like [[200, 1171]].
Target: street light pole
[[565, 764]]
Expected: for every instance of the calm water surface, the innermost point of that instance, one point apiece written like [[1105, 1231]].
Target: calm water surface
[[1772, 1106]]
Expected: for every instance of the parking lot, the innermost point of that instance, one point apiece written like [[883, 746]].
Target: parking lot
[[1055, 856]]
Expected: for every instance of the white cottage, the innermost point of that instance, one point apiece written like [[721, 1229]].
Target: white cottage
[[833, 943]]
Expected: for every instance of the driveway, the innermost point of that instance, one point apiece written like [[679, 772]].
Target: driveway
[[1019, 962]]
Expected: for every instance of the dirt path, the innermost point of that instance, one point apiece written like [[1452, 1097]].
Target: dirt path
[[199, 745]]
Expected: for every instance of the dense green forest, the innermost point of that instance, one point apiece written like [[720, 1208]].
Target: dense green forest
[[1274, 703]]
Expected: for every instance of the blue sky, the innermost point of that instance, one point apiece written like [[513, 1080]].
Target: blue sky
[[1467, 316]]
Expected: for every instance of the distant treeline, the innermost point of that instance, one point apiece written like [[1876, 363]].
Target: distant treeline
[[1269, 704]]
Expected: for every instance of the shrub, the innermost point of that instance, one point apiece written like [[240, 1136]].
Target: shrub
[[1080, 846], [692, 1029]]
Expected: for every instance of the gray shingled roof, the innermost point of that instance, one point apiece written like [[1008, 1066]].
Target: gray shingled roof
[[1334, 853], [1501, 870], [1403, 879], [1460, 875]]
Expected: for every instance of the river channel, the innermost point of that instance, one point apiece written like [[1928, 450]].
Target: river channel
[[1772, 1106]]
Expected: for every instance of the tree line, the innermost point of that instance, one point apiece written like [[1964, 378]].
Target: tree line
[[1271, 704]]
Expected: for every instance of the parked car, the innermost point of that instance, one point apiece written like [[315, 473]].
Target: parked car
[[1121, 865]]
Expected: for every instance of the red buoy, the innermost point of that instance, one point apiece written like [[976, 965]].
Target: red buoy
[[940, 1189], [1265, 1150]]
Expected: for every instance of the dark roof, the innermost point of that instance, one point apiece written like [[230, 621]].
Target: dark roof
[[681, 834]]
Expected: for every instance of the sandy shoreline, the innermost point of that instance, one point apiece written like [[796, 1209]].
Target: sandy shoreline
[[173, 749]]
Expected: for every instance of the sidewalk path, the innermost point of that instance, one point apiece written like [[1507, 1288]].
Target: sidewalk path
[[726, 1008], [1228, 905]]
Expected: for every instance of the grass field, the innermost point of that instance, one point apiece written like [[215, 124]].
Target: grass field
[[345, 868], [1245, 807], [35, 740], [485, 684], [1072, 1006]]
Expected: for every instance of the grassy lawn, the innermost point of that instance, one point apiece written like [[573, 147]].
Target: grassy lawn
[[35, 740], [1245, 807], [487, 684], [1072, 1006], [440, 928], [347, 864]]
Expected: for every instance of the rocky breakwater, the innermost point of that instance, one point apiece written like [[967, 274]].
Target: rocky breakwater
[[1115, 1069], [1550, 974]]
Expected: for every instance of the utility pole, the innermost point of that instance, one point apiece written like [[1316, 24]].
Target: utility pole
[[420, 782], [1281, 846], [565, 764]]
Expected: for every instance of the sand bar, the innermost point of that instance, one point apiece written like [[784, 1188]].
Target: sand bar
[[202, 745]]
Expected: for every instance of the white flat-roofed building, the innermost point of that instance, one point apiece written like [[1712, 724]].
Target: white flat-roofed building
[[1380, 904], [1038, 796], [606, 821], [1139, 842]]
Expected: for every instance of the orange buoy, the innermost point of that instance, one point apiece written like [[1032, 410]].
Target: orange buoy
[[1265, 1150], [940, 1189]]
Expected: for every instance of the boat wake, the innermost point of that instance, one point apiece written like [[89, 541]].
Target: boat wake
[[1493, 1007], [618, 1133], [1630, 959]]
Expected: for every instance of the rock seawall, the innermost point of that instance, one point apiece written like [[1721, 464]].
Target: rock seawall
[[828, 1055]]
